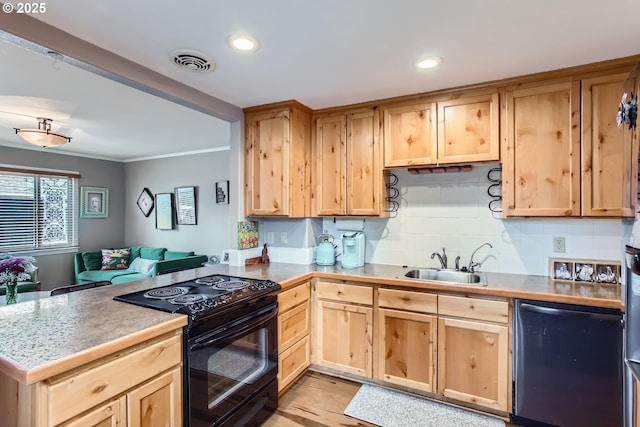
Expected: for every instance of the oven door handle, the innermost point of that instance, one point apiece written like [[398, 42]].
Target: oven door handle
[[231, 331]]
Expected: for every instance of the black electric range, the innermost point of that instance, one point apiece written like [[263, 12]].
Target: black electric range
[[232, 332], [202, 297]]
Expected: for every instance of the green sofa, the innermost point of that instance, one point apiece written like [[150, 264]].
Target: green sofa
[[151, 262]]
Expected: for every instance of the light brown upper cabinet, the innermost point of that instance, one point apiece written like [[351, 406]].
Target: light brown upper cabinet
[[347, 165], [548, 169], [458, 130], [607, 156], [277, 155], [541, 151]]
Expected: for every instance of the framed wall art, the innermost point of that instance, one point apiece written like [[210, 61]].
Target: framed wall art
[[94, 202], [222, 192], [186, 213], [145, 201], [164, 211]]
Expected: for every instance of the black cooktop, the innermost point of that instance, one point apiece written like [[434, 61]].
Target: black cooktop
[[203, 296]]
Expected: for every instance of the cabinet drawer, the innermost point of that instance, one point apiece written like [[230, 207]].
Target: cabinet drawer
[[294, 296], [407, 300], [293, 325], [292, 362], [86, 389], [474, 308], [348, 293]]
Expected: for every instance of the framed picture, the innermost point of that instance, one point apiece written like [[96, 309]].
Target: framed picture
[[608, 273], [224, 259], [222, 192], [145, 201], [563, 270], [164, 211], [186, 206], [94, 202], [585, 272]]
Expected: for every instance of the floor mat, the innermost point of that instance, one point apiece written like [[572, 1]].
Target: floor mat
[[388, 408]]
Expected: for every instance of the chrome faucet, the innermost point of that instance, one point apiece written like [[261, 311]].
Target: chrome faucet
[[473, 265], [442, 258]]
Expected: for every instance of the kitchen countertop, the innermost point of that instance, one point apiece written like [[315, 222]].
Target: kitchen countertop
[[49, 336]]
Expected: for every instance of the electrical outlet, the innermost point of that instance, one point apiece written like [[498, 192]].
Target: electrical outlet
[[559, 245], [270, 237], [283, 237]]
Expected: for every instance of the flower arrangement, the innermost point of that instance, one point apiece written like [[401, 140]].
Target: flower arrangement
[[16, 269]]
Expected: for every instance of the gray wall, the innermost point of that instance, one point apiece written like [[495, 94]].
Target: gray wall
[[212, 233], [93, 233]]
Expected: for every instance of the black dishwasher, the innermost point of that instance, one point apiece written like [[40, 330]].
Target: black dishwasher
[[567, 365]]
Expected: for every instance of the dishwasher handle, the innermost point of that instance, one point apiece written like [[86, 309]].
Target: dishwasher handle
[[565, 312]]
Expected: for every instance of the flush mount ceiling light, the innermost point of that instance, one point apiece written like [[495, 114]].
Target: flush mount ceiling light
[[428, 62], [244, 43], [43, 137], [191, 60]]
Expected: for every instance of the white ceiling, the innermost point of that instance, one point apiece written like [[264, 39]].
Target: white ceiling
[[321, 53]]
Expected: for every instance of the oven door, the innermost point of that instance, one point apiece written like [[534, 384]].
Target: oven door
[[229, 365]]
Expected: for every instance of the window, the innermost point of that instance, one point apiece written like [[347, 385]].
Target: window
[[37, 210]]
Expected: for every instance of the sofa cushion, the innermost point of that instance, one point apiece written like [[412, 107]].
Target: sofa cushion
[[152, 253], [142, 265], [92, 260], [115, 259], [175, 255], [128, 278], [100, 275]]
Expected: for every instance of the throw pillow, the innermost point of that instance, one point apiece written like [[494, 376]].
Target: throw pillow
[[141, 265], [175, 255], [115, 259], [92, 260], [152, 253]]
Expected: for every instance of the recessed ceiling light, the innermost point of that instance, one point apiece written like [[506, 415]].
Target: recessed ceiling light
[[428, 62], [244, 43]]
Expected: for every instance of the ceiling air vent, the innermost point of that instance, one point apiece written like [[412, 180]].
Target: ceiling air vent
[[192, 61]]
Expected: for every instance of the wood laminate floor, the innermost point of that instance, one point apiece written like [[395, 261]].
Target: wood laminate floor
[[318, 400]]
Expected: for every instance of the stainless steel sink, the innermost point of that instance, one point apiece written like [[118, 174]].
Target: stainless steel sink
[[448, 276]]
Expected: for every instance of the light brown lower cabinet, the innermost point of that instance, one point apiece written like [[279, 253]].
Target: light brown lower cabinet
[[294, 327], [473, 362], [407, 354], [343, 328], [473, 352], [140, 386], [406, 344], [156, 403], [451, 345]]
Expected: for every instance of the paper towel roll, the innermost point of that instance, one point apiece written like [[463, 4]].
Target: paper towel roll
[[350, 224]]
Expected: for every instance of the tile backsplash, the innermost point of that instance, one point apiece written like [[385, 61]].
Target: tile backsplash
[[451, 210]]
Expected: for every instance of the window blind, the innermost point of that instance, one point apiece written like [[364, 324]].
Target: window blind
[[37, 211]]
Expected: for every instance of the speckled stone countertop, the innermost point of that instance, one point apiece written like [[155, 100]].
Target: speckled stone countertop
[[49, 336]]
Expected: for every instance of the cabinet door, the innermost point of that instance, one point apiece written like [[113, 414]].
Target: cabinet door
[[473, 360], [364, 167], [329, 156], [158, 402], [112, 414], [344, 337], [267, 164], [407, 349], [606, 160], [468, 129], [410, 135], [541, 157]]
